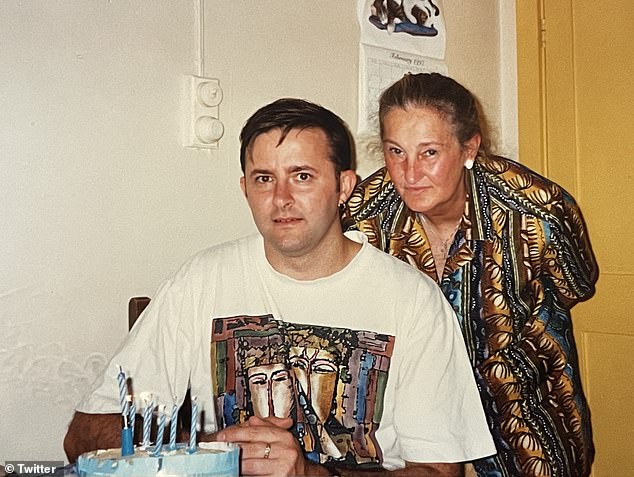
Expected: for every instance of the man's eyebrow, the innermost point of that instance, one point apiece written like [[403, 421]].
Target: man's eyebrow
[[302, 167], [291, 170], [259, 171]]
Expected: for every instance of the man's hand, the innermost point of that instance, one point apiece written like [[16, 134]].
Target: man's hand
[[269, 448], [89, 432], [286, 457]]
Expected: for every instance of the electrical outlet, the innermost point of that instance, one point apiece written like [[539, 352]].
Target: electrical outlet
[[202, 128]]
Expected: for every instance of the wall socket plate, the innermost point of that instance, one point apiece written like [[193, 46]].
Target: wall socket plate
[[202, 126]]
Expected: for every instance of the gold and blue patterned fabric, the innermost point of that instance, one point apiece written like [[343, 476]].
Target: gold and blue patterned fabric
[[520, 260]]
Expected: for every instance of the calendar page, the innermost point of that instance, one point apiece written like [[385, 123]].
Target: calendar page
[[379, 68]]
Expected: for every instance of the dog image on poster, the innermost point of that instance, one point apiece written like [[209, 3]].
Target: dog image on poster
[[413, 17]]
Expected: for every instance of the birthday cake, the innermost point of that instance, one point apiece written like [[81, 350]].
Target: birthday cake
[[210, 459]]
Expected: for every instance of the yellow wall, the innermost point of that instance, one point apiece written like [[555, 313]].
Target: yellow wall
[[575, 66]]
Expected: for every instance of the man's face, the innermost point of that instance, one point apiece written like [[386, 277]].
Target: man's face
[[293, 193]]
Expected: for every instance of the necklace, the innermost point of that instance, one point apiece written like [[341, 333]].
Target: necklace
[[444, 243]]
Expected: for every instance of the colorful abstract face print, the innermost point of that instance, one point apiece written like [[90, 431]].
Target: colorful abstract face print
[[330, 381]]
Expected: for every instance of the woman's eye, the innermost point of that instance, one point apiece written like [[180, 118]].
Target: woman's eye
[[395, 151], [430, 152]]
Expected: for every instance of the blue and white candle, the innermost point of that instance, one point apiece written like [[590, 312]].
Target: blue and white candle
[[123, 392], [130, 400], [173, 424], [193, 428], [147, 418], [161, 430]]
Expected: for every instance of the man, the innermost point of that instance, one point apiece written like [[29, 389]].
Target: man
[[376, 383]]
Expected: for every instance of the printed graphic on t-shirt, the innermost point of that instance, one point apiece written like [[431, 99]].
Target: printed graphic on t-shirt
[[331, 381]]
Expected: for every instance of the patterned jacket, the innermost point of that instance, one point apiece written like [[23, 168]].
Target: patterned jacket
[[521, 258]]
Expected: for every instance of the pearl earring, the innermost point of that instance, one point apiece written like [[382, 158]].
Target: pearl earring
[[468, 164]]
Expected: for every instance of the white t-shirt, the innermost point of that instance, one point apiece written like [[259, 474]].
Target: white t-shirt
[[369, 361]]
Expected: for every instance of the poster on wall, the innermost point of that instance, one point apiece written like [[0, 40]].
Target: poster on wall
[[397, 37]]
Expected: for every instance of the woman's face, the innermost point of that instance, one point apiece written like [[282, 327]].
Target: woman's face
[[425, 160]]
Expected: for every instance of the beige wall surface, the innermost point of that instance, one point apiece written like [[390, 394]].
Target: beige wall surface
[[99, 201]]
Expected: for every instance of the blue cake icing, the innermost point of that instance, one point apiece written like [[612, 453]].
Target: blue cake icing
[[211, 459]]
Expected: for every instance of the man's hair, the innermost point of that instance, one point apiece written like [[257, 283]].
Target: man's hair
[[287, 114]]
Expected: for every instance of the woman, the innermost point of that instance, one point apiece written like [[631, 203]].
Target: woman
[[511, 253]]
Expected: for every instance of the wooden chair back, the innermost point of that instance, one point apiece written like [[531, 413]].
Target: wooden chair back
[[136, 305]]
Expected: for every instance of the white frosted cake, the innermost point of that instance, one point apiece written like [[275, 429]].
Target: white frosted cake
[[211, 459]]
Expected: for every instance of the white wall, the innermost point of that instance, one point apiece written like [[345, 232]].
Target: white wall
[[98, 199], [481, 56]]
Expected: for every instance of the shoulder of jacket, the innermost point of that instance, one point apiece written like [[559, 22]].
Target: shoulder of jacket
[[520, 185]]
